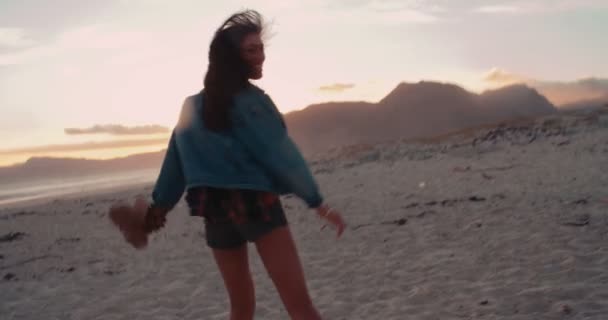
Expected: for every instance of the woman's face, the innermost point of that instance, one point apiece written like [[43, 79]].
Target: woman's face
[[252, 50]]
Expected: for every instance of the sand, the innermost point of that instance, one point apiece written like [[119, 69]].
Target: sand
[[501, 223]]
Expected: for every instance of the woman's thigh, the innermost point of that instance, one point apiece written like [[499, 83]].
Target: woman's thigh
[[234, 267], [279, 254]]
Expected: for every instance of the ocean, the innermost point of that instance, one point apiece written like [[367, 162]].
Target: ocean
[[15, 192]]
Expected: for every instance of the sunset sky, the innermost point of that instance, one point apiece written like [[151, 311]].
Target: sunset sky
[[115, 72]]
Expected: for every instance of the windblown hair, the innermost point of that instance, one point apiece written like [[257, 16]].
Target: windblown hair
[[227, 72]]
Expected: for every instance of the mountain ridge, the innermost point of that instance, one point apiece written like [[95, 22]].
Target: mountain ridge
[[410, 110]]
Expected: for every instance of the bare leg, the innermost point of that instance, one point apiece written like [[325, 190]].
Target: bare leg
[[234, 266], [280, 257]]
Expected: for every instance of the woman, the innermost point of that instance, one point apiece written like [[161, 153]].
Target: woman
[[230, 150]]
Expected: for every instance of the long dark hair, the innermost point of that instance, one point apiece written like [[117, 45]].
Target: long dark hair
[[227, 72]]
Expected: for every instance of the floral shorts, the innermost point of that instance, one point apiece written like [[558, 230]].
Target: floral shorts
[[235, 216]]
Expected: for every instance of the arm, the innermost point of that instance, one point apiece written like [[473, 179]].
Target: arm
[[259, 127], [171, 183], [143, 218]]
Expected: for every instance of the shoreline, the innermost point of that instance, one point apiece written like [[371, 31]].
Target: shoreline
[[50, 199]]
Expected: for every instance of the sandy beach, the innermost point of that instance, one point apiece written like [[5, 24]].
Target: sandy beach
[[505, 222]]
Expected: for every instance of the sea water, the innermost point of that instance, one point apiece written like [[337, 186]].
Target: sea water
[[35, 189]]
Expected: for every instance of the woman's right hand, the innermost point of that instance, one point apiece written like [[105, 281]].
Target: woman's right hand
[[333, 217], [130, 220]]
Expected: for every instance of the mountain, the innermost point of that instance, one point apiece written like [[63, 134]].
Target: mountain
[[411, 110], [587, 104], [45, 167], [516, 101]]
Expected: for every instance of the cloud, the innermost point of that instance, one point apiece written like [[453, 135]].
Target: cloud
[[558, 92], [407, 16], [501, 77], [401, 12], [112, 38], [14, 38], [78, 42], [539, 6], [84, 146], [337, 87], [368, 13], [397, 5], [21, 55], [573, 4], [498, 9], [116, 129]]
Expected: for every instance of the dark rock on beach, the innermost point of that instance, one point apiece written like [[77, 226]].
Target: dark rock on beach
[[12, 236]]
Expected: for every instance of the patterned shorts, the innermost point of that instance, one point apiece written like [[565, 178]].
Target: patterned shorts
[[233, 217]]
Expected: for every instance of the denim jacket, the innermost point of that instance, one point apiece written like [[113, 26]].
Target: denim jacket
[[256, 153]]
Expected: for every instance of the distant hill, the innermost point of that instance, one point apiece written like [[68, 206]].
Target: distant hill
[[46, 167], [411, 110], [587, 104]]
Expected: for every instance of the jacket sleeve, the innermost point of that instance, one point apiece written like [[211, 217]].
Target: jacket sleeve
[[260, 128], [170, 184]]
